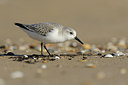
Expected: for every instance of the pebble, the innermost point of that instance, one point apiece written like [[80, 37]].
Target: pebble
[[123, 71], [17, 74], [108, 56], [43, 66], [90, 65], [2, 82], [100, 75]]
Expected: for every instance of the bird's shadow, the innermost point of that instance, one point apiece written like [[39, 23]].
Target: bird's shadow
[[31, 59]]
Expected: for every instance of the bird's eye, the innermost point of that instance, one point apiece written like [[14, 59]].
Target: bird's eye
[[71, 33]]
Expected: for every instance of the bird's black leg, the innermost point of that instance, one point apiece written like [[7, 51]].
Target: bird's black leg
[[47, 50], [42, 48]]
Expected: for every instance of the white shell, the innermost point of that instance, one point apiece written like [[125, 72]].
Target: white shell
[[26, 56], [108, 56], [56, 57]]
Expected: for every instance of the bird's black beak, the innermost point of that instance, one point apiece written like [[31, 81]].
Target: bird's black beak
[[79, 40]]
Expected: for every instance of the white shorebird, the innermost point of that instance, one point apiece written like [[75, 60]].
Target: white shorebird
[[49, 33]]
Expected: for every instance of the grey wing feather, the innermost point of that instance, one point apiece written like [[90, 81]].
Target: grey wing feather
[[43, 28]]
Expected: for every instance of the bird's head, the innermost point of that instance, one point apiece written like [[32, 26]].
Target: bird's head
[[70, 34]]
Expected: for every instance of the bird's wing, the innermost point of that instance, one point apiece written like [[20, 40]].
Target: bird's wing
[[42, 28]]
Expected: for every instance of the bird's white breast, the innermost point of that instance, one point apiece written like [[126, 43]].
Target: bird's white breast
[[54, 36]]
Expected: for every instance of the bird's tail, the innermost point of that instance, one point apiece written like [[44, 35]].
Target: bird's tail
[[23, 26]]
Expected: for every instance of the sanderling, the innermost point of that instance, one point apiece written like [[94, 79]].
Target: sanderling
[[49, 33]]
